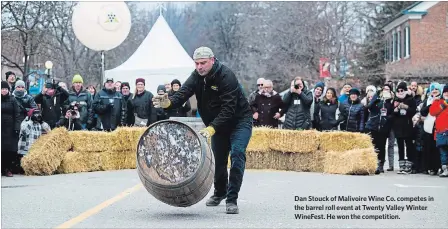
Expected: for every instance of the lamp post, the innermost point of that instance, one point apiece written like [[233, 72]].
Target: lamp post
[[49, 66]]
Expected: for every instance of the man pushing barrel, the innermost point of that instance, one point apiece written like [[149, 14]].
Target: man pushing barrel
[[226, 113]]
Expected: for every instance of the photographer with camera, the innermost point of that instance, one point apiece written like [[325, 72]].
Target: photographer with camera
[[297, 104], [51, 101], [72, 118], [83, 99], [30, 130], [110, 107]]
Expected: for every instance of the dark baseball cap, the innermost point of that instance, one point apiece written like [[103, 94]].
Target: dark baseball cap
[[109, 79]]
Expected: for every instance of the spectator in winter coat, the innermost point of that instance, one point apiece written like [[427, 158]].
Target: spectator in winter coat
[[345, 93], [326, 112], [10, 130], [252, 95], [391, 136], [92, 90], [431, 154], [83, 99], [317, 97], [52, 100], [110, 107], [160, 112], [30, 130], [127, 96], [417, 92], [181, 111], [11, 80], [370, 92], [144, 110], [379, 124], [266, 106], [439, 109], [296, 105], [25, 101], [352, 113], [404, 109]]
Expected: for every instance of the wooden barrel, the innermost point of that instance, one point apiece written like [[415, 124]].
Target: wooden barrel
[[196, 123], [175, 163]]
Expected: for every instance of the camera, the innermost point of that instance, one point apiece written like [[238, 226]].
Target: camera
[[296, 86], [36, 116], [73, 109]]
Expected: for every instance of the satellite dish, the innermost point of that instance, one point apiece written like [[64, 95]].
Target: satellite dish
[[101, 26]]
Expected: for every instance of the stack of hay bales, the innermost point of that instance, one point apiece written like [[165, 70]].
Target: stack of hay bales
[[334, 152], [47, 153], [100, 151]]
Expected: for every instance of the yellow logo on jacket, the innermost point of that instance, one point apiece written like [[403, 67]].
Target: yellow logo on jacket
[[215, 88]]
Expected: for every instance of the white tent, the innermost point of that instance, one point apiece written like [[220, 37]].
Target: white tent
[[159, 59]]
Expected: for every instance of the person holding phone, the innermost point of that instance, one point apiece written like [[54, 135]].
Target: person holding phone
[[379, 124]]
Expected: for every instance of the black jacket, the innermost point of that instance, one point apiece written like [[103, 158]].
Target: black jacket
[[403, 126], [352, 116], [52, 106], [325, 115], [10, 123], [25, 102], [143, 107], [181, 111], [85, 101], [220, 99], [297, 109], [376, 120], [111, 109], [130, 120]]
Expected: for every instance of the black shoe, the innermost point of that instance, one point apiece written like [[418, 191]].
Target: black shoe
[[232, 208], [390, 169], [214, 200]]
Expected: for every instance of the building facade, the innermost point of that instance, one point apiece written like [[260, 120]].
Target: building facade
[[417, 43]]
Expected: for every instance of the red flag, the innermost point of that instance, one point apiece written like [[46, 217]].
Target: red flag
[[324, 68]]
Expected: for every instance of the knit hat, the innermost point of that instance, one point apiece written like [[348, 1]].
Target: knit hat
[[5, 85], [125, 84], [371, 88], [434, 86], [161, 88], [354, 91], [203, 53], [77, 79], [320, 84], [20, 83], [403, 86], [140, 80], [9, 74], [176, 81], [445, 88]]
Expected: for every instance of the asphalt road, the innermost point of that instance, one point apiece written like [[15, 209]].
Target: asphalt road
[[267, 200]]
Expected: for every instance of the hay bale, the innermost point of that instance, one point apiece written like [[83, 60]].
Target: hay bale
[[295, 141], [126, 138], [306, 162], [75, 162], [342, 141], [352, 162], [260, 140], [114, 160], [47, 153], [91, 141]]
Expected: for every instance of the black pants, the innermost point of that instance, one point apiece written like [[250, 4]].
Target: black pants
[[431, 154], [8, 159], [236, 143], [410, 149], [379, 141]]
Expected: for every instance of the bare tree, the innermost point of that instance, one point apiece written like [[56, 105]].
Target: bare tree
[[24, 25]]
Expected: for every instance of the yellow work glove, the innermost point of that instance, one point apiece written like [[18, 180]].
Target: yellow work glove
[[161, 101], [207, 132]]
